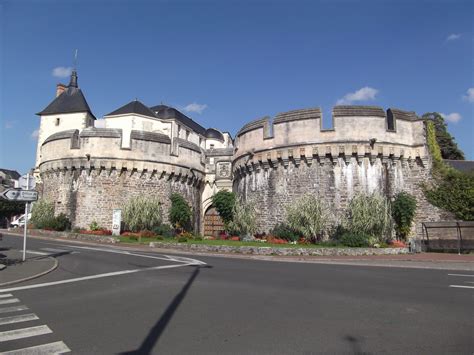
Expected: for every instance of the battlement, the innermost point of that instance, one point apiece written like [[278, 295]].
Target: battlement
[[358, 129]]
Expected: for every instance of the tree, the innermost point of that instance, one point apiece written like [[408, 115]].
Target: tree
[[180, 212], [224, 202], [449, 148], [403, 212]]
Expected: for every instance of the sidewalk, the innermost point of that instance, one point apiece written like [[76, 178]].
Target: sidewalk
[[16, 270]]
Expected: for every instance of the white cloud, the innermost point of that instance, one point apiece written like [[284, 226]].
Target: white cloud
[[469, 95], [9, 124], [364, 94], [453, 37], [34, 134], [453, 117], [61, 72], [195, 107]]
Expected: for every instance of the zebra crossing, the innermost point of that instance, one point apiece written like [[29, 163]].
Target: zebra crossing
[[14, 314]]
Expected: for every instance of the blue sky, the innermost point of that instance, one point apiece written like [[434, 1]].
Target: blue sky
[[228, 62]]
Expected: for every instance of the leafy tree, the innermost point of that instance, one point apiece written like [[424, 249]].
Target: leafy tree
[[309, 216], [453, 190], [180, 212], [449, 148], [403, 212], [141, 213], [224, 202], [11, 208]]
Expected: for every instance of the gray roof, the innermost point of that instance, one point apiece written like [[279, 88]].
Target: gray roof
[[133, 107], [13, 174], [353, 110], [466, 166], [166, 112], [72, 100], [212, 133]]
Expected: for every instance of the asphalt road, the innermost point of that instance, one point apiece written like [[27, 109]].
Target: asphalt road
[[234, 306]]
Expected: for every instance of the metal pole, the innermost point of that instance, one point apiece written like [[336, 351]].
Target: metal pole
[[25, 227]]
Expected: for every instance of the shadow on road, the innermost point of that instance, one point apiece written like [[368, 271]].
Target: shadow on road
[[155, 332], [355, 345]]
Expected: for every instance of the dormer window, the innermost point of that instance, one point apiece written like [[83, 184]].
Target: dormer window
[[58, 121]]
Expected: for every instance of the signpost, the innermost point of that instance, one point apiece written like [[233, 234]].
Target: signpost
[[24, 194], [116, 221]]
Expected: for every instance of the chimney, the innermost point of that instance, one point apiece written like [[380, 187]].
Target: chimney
[[60, 88]]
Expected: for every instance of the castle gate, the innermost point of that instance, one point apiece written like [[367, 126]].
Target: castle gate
[[213, 223]]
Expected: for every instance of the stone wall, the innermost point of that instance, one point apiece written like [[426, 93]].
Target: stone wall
[[91, 195]]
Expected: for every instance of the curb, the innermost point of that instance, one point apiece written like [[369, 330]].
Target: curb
[[56, 264]]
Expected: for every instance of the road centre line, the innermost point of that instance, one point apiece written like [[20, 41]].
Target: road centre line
[[464, 275], [52, 348], [9, 300], [24, 333], [6, 295], [18, 319], [461, 286], [98, 276]]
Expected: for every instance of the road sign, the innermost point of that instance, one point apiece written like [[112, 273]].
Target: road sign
[[19, 195], [27, 182]]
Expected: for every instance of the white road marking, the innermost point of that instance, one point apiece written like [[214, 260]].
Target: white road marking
[[10, 300], [36, 252], [24, 333], [56, 250], [52, 348], [461, 286], [98, 276], [13, 309], [464, 275], [18, 319], [177, 259], [6, 295]]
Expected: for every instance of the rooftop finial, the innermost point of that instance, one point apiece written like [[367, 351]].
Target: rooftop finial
[[73, 81]]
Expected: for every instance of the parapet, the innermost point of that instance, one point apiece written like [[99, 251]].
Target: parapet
[[355, 128]]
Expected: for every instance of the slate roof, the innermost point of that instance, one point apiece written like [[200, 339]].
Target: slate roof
[[466, 166], [166, 112], [214, 134], [134, 106], [72, 100], [13, 174]]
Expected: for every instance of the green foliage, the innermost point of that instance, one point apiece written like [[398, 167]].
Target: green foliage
[[448, 147], [403, 212], [224, 202], [11, 208], [180, 212], [94, 226], [284, 231], [142, 213], [244, 221], [453, 190], [164, 230], [354, 239], [60, 223], [42, 214], [369, 215], [182, 239], [308, 216]]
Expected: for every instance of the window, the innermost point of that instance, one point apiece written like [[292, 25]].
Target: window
[[211, 160], [187, 135], [179, 131], [212, 146], [58, 121]]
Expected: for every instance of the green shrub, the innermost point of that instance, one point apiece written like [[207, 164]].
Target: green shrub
[[142, 213], [354, 239], [182, 239], [284, 231], [180, 212], [60, 223], [197, 237], [164, 230], [224, 202], [403, 212], [244, 221], [94, 226], [369, 215], [42, 214], [309, 216]]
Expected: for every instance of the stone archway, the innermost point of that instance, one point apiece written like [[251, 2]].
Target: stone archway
[[213, 224]]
